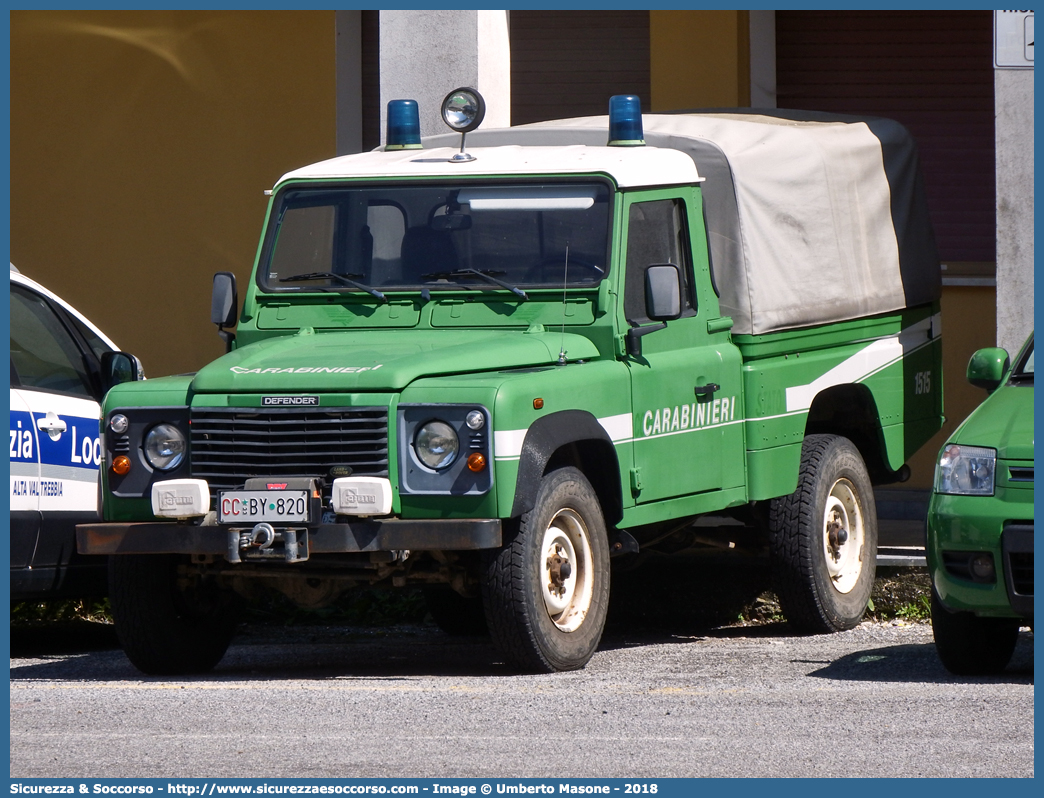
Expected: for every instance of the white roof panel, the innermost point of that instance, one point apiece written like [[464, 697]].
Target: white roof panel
[[627, 166]]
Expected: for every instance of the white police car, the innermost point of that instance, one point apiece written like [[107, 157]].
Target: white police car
[[61, 366]]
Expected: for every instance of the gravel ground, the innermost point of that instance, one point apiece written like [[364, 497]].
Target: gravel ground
[[695, 677], [409, 701]]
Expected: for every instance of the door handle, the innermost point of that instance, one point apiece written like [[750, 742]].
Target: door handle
[[51, 424], [710, 387]]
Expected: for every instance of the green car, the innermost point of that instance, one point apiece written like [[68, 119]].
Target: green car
[[980, 520]]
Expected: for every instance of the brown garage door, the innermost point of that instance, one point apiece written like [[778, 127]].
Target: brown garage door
[[932, 71], [569, 63]]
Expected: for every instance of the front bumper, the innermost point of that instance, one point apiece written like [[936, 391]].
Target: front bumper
[[370, 535], [1001, 526]]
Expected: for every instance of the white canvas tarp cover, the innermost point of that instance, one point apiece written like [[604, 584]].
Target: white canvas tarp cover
[[811, 218]]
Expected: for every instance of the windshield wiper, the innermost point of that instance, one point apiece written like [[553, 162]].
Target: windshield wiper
[[482, 275], [344, 279]]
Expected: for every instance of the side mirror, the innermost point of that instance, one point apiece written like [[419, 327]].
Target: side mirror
[[987, 367], [223, 301], [118, 367], [224, 304], [662, 303], [663, 292]]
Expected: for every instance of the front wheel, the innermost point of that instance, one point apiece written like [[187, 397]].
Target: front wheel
[[546, 592], [169, 623], [972, 646], [823, 539]]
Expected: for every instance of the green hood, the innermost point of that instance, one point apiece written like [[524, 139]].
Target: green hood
[[1003, 422], [386, 360]]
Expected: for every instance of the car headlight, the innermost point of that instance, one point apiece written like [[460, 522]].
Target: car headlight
[[966, 470], [436, 444], [165, 447]]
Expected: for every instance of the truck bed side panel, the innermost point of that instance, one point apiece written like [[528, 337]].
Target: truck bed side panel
[[876, 381]]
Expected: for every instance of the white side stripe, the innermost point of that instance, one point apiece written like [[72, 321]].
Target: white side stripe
[[507, 444], [864, 363], [855, 368], [617, 427]]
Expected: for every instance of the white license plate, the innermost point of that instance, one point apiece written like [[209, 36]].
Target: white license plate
[[251, 506]]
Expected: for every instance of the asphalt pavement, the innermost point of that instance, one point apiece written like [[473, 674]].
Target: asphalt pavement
[[412, 702]]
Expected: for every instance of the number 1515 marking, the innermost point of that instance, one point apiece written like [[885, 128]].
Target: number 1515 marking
[[922, 383]]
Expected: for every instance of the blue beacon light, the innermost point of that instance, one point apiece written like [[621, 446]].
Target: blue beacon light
[[403, 125], [625, 121]]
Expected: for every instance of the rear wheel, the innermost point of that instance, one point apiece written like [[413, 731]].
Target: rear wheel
[[972, 646], [168, 623], [546, 591], [823, 538]]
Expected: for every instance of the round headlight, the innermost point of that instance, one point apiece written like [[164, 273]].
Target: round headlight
[[436, 444], [475, 420], [119, 424], [463, 109], [165, 447]]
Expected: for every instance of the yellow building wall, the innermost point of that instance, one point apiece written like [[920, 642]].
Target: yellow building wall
[[141, 144], [699, 59]]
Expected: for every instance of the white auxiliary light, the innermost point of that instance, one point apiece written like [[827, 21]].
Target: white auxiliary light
[[361, 496], [180, 498]]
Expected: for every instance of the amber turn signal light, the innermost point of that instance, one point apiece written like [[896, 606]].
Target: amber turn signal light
[[121, 464], [476, 462]]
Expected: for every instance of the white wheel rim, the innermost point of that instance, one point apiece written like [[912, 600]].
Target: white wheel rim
[[565, 571], [844, 552]]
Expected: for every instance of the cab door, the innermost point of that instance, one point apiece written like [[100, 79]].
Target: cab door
[[685, 384]]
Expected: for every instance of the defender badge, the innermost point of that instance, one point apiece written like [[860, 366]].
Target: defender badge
[[289, 401]]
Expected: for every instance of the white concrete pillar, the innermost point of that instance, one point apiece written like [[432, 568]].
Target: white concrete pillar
[[425, 54], [1013, 96]]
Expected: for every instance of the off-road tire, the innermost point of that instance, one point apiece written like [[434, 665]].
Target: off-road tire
[[166, 628], [817, 592], [969, 645], [454, 614], [520, 596]]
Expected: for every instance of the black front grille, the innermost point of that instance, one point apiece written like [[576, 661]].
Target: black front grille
[[1020, 474], [230, 445], [1021, 565], [1017, 549]]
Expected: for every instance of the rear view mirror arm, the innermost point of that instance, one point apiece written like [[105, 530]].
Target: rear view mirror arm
[[634, 336]]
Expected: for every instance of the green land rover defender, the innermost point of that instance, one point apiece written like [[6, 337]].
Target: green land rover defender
[[487, 365]]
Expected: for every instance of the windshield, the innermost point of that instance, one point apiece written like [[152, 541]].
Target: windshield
[[1023, 371], [483, 237]]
